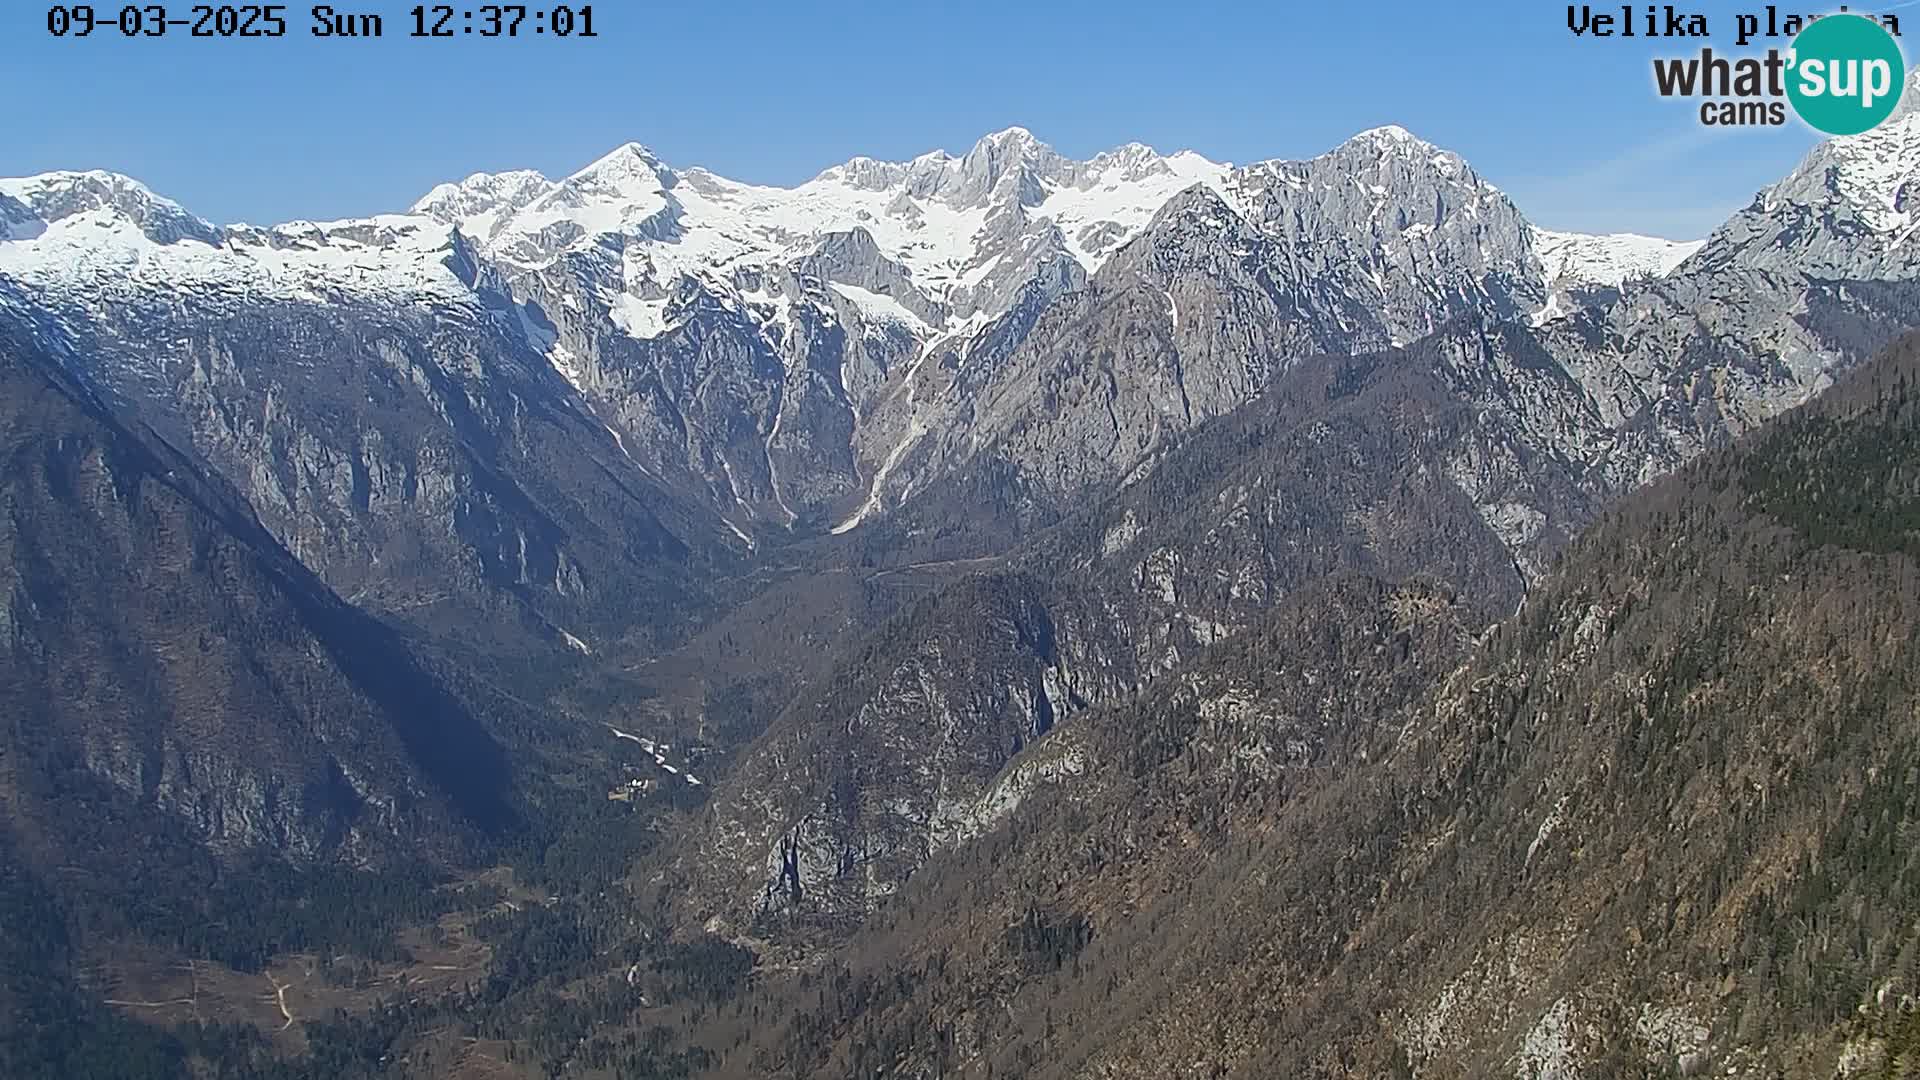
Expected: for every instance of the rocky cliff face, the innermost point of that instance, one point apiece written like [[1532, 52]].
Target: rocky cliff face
[[1675, 348], [863, 777], [1379, 242], [171, 671], [391, 431], [1225, 290], [1844, 214], [1409, 229]]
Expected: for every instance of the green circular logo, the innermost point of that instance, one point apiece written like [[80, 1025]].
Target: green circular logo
[[1846, 74]]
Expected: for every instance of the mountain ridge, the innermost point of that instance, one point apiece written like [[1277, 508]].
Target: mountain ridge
[[483, 201], [780, 351], [792, 361]]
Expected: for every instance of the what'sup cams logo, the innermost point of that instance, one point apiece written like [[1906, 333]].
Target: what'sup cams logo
[[1841, 74], [1847, 74]]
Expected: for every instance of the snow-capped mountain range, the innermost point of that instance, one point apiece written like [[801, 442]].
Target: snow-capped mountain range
[[766, 359], [947, 221], [829, 291], [960, 228]]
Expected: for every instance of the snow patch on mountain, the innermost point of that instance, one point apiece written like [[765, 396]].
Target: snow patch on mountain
[[879, 309], [966, 230], [58, 196], [640, 319], [1576, 259], [1119, 194]]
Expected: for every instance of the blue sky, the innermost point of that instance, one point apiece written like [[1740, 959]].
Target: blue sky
[[269, 130]]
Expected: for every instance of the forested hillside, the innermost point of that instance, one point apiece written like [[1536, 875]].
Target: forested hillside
[[1661, 818], [199, 739]]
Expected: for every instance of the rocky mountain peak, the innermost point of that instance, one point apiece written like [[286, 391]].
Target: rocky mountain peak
[[1195, 242], [1399, 222], [1010, 163], [1196, 209], [1135, 162], [1876, 174], [1848, 211], [1014, 136], [869, 174], [628, 169], [106, 198], [1388, 164], [1390, 135], [1395, 143], [623, 193], [483, 199]]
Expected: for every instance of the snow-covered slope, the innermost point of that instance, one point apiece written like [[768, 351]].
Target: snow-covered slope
[[483, 200], [948, 222], [1579, 268], [1873, 172], [101, 233], [1613, 259]]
